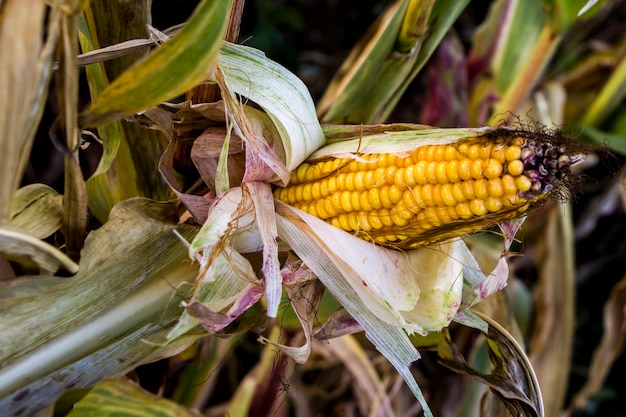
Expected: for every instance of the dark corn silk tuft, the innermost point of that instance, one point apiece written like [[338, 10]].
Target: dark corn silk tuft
[[436, 192]]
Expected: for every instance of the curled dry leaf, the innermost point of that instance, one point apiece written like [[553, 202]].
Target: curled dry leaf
[[512, 379]]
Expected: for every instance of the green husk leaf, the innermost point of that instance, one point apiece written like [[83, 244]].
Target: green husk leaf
[[390, 340], [161, 76], [396, 141], [282, 95]]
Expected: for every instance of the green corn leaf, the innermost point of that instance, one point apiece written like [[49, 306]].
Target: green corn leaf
[[111, 316], [125, 399], [173, 68], [376, 74]]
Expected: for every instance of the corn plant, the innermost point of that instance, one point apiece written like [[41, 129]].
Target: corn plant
[[229, 209]]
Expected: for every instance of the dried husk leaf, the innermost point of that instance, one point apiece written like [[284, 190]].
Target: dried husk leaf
[[25, 71], [37, 209], [551, 344], [609, 349]]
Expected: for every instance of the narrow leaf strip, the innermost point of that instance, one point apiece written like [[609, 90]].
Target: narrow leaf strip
[[263, 200], [305, 299], [32, 252]]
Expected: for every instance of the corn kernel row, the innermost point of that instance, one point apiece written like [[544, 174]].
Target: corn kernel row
[[392, 199]]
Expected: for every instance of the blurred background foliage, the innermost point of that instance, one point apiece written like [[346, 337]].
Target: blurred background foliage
[[313, 38]]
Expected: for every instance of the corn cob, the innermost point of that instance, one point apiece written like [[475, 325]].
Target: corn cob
[[432, 194]]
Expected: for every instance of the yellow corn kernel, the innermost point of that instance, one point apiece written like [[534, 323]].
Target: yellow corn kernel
[[432, 216], [427, 194], [437, 196], [477, 207], [451, 153], [498, 153], [381, 160], [477, 169], [380, 176], [480, 189], [463, 210], [359, 183], [408, 199], [408, 177], [465, 169], [355, 200], [385, 200], [346, 201], [395, 194], [452, 171], [467, 187], [416, 194], [321, 210], [452, 213], [374, 220], [353, 166], [431, 172], [385, 218], [508, 184], [364, 201], [495, 187], [420, 172], [516, 167], [353, 221], [523, 183], [474, 151], [493, 169], [397, 219], [403, 211], [447, 195], [363, 219], [343, 222], [512, 153], [493, 204], [393, 160], [441, 172]]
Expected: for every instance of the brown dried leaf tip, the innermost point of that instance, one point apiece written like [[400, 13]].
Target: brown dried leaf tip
[[436, 192]]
